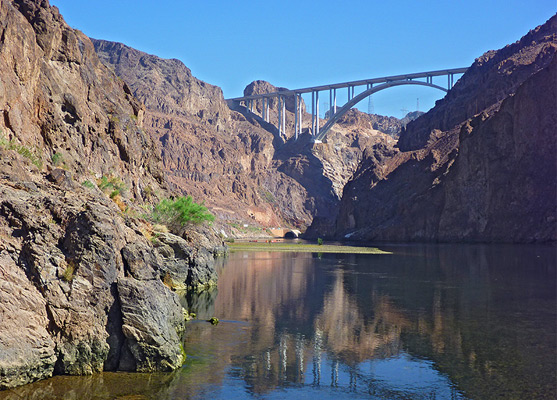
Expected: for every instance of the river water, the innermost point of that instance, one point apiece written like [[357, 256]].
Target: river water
[[425, 322]]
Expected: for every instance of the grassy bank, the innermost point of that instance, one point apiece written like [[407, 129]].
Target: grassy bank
[[303, 248]]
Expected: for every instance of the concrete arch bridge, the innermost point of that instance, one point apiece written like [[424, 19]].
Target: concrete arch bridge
[[370, 86]]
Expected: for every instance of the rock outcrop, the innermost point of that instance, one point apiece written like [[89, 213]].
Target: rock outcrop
[[232, 159], [82, 280], [491, 177]]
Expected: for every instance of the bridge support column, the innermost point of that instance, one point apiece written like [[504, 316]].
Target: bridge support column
[[296, 117], [300, 114], [279, 115], [450, 81], [317, 113], [330, 103], [334, 101], [313, 113], [284, 115]]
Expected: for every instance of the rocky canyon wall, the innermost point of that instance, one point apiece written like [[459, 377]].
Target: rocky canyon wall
[[231, 158], [81, 286], [467, 174]]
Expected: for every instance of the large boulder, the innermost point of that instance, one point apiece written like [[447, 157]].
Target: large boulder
[[152, 319]]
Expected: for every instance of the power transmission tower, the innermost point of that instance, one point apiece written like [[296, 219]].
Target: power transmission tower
[[418, 104]]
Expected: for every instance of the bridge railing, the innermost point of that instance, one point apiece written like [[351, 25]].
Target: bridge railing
[[334, 115]]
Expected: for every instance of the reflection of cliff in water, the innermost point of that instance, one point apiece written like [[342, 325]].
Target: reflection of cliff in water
[[481, 316], [448, 304]]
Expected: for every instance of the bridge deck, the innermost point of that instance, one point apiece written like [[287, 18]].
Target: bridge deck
[[355, 83]]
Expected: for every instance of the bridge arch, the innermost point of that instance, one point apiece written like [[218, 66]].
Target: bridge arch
[[356, 99]]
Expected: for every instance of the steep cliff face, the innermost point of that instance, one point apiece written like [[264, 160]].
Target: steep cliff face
[[230, 158], [208, 151], [490, 178], [491, 78], [56, 96], [75, 264]]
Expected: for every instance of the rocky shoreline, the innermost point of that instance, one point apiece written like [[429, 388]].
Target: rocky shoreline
[[93, 134], [87, 284], [83, 290]]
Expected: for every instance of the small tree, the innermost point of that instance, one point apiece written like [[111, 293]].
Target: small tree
[[179, 212]]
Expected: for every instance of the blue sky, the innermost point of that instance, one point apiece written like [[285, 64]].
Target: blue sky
[[304, 43]]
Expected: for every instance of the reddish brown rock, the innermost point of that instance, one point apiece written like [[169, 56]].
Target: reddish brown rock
[[239, 165], [66, 119]]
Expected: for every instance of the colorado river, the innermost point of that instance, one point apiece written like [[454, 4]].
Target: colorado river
[[426, 322]]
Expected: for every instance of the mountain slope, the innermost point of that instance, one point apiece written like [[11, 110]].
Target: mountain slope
[[230, 158], [487, 178]]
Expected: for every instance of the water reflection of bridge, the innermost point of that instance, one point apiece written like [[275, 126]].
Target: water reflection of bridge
[[332, 322], [338, 339]]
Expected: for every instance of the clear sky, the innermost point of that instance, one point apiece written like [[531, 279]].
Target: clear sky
[[299, 43]]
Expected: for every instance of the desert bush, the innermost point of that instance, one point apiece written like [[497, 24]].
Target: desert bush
[[22, 150], [57, 159], [88, 184], [181, 211], [112, 185]]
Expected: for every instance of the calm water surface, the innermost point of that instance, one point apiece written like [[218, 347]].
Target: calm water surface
[[426, 322]]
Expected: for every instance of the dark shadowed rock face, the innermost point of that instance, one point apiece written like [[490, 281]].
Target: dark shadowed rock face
[[491, 178], [75, 266], [491, 78], [151, 320]]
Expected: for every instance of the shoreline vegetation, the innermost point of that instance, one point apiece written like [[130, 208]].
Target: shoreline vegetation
[[303, 248]]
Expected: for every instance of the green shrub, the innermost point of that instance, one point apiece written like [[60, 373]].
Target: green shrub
[[179, 212], [69, 272], [111, 185], [88, 184], [23, 150], [268, 196], [320, 241], [57, 159], [148, 191]]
